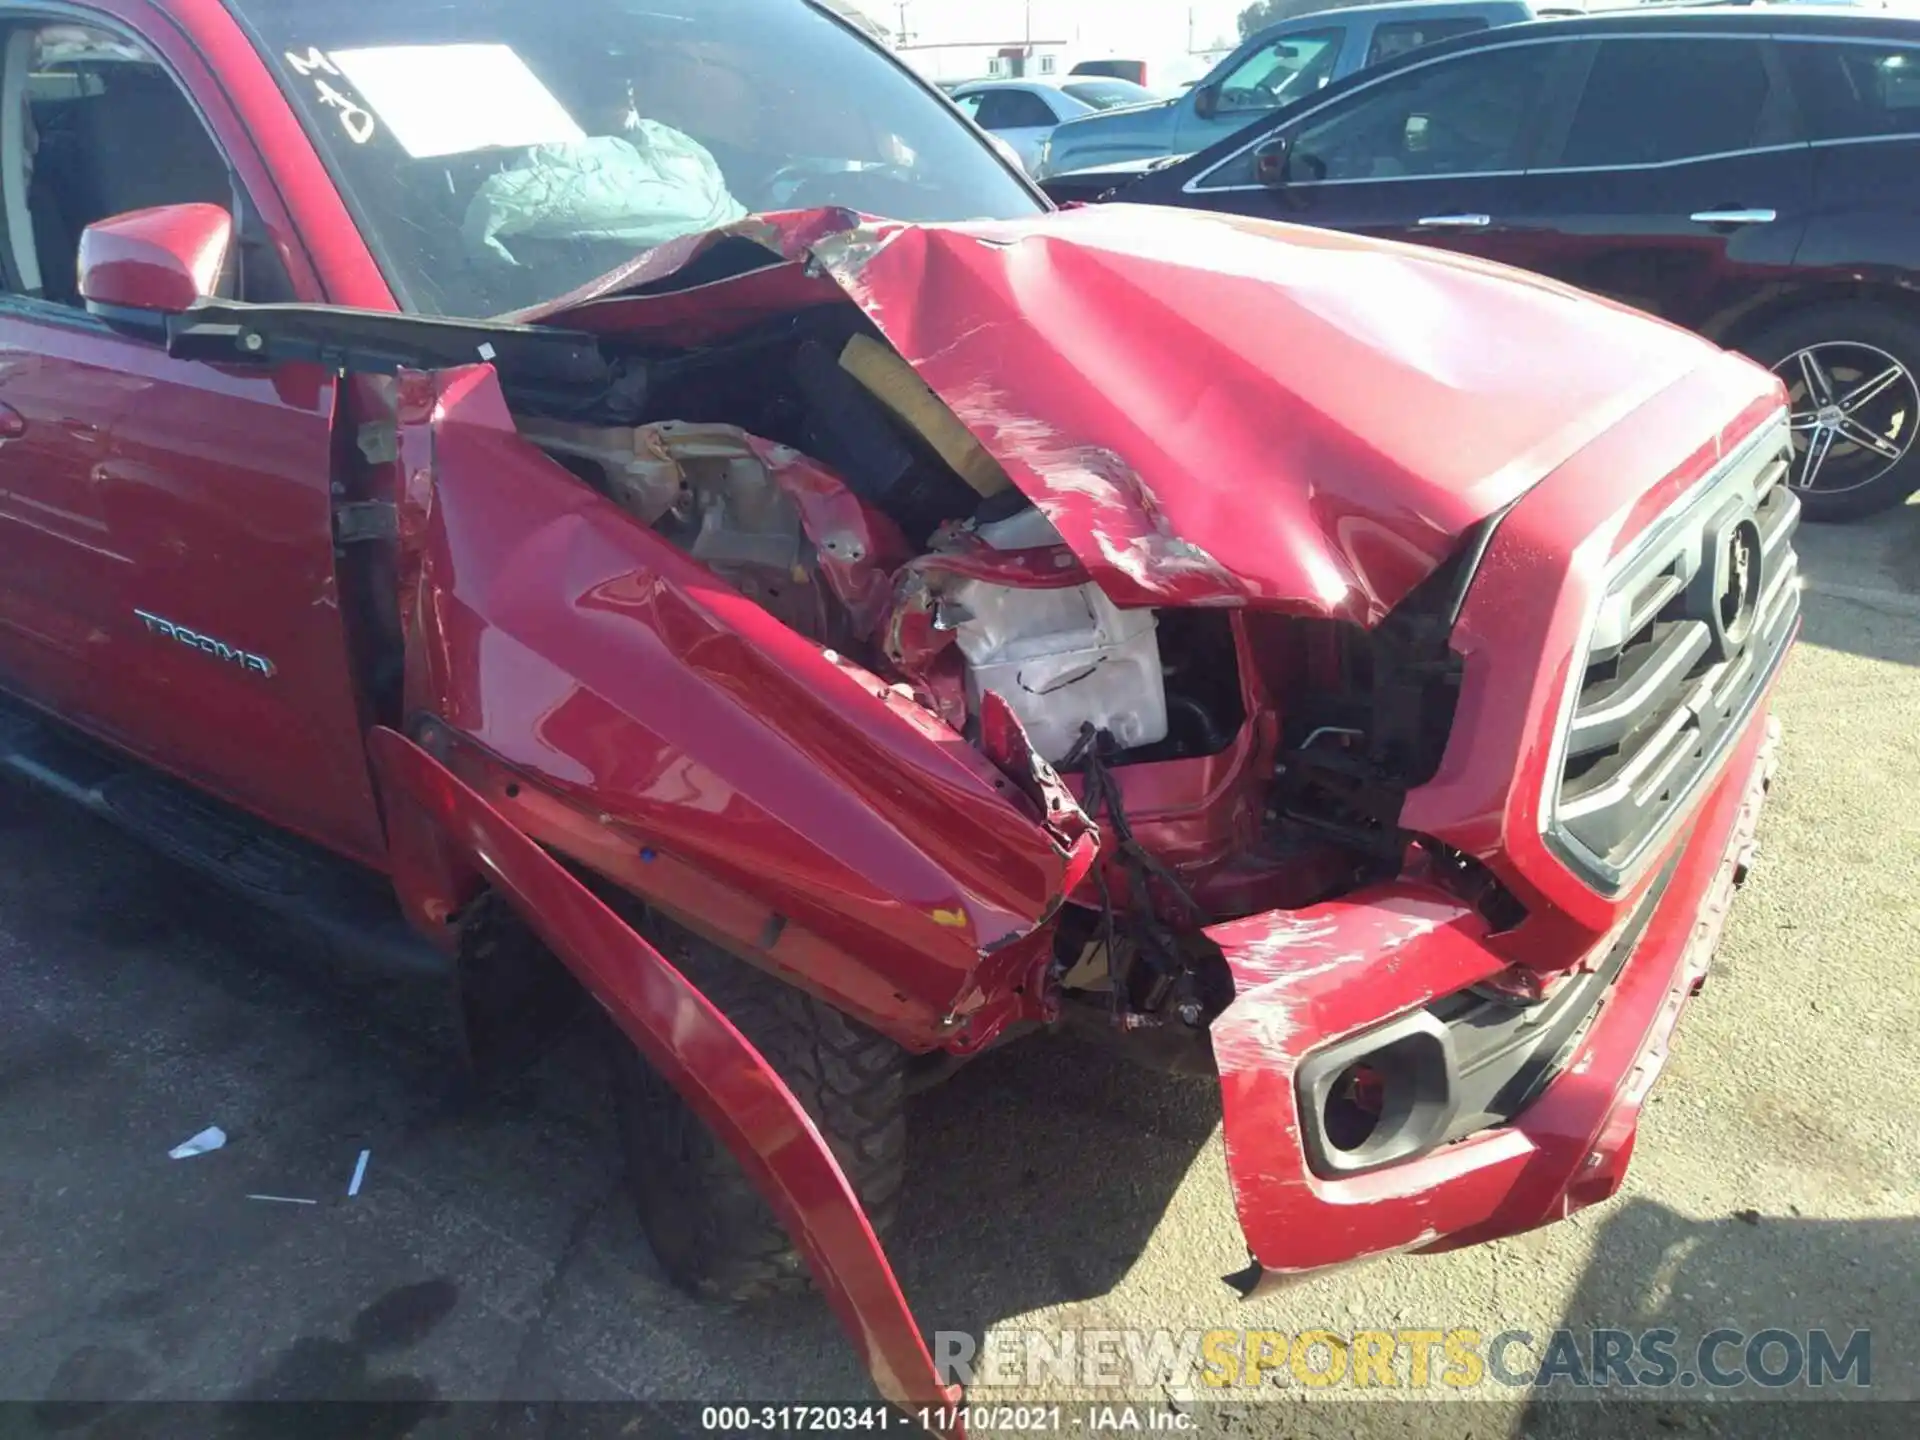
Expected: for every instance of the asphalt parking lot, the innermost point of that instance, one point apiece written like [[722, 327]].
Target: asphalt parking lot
[[490, 1256]]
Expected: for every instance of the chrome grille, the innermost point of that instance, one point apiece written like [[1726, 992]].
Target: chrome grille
[[1695, 618]]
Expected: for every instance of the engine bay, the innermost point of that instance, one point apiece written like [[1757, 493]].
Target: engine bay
[[947, 578], [1236, 760], [1233, 759]]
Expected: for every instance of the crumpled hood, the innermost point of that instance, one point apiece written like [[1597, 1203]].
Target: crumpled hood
[[1211, 410]]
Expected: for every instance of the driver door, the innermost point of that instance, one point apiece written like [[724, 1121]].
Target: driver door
[[166, 541], [1430, 154]]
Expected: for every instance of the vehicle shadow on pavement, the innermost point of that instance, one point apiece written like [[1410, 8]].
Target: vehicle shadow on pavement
[[1036, 1177], [1750, 1272], [492, 1254], [1863, 586]]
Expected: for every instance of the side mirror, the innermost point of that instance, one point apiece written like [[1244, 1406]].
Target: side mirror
[[154, 262], [1206, 100], [1272, 161]]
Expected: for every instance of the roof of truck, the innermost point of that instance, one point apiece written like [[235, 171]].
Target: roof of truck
[[1727, 15], [1395, 7]]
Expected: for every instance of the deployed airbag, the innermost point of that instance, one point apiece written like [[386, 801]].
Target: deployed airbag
[[641, 189]]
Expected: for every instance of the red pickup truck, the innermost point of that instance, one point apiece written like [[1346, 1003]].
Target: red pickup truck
[[480, 481]]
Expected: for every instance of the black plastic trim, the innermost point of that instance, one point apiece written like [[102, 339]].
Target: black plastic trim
[[1416, 1056], [1670, 677], [1463, 1064], [351, 908], [379, 342]]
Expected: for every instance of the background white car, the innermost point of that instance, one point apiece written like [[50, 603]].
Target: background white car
[[1023, 112]]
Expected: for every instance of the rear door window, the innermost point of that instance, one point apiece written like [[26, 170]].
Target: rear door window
[[1462, 115], [1404, 35], [1282, 71], [1855, 91], [1013, 110], [1654, 101]]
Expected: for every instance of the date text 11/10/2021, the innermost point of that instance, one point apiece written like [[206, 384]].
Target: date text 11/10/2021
[[1056, 1419]]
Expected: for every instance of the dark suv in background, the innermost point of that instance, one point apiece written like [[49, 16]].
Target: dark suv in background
[[1753, 175]]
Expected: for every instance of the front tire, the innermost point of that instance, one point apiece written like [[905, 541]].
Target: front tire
[[710, 1230], [1850, 371]]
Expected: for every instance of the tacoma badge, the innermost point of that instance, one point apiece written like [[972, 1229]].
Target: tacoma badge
[[218, 649]]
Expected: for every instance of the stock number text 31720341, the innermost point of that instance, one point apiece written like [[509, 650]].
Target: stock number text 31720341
[[739, 1419], [945, 1420]]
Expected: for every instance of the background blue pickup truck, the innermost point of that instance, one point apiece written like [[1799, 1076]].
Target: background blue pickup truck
[[1279, 64]]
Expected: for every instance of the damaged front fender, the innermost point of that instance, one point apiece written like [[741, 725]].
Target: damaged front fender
[[671, 734], [691, 1044]]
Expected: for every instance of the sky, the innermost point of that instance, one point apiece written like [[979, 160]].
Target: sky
[[1143, 29]]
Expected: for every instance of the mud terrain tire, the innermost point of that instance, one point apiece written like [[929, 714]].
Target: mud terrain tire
[[710, 1230]]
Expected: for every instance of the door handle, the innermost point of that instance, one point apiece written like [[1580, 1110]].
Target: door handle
[[12, 423], [1733, 217], [1454, 222]]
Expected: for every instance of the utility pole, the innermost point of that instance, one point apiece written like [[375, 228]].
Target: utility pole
[[903, 36]]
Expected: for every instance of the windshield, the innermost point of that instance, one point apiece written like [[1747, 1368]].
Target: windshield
[[1109, 94], [499, 153]]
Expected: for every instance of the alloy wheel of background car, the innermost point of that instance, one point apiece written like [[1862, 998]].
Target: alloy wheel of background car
[[1855, 405], [1853, 414]]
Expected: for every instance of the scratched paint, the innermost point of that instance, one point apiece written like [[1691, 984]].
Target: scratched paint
[[1281, 444]]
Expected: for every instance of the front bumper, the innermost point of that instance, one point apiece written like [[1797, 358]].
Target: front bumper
[[1307, 978]]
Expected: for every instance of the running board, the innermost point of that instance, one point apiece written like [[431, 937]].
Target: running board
[[350, 908]]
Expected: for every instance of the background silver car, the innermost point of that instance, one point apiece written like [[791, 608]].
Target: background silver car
[[1023, 112]]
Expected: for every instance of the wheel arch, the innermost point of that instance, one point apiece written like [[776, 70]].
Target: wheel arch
[[1875, 311], [1739, 327], [442, 825]]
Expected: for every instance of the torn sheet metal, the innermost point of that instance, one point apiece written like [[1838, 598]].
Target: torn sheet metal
[[692, 1044], [1309, 429], [675, 716]]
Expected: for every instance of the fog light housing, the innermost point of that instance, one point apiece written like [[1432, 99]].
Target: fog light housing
[[1355, 1104], [1382, 1096]]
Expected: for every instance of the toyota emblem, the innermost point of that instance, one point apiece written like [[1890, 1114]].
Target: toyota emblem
[[1739, 585]]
